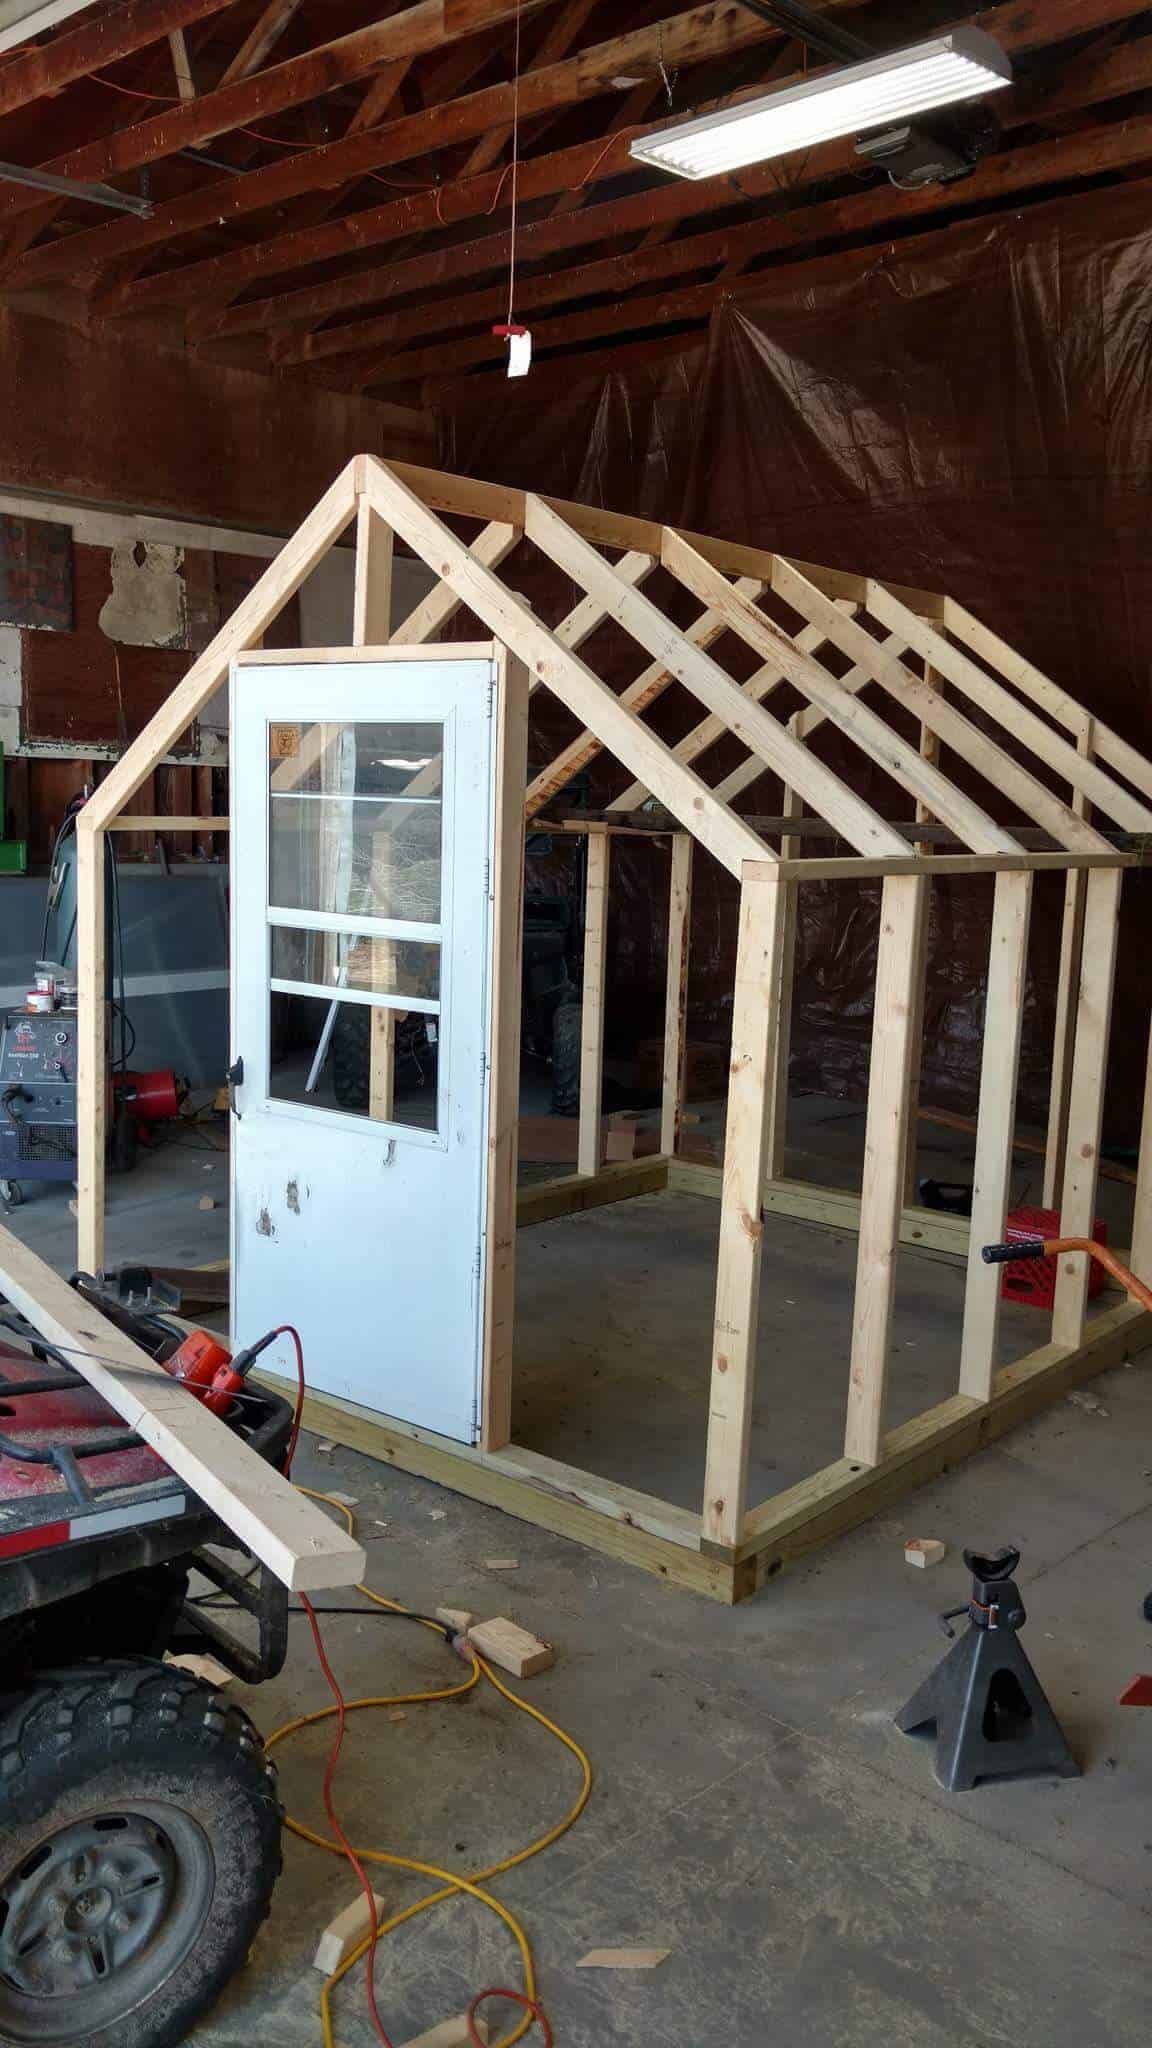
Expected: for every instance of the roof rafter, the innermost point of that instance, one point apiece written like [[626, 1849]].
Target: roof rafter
[[1019, 30], [703, 31], [46, 68], [866, 727], [264, 34], [561, 671], [290, 84], [762, 734], [1081, 155], [999, 768]]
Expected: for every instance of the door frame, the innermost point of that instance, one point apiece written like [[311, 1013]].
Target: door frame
[[499, 1137]]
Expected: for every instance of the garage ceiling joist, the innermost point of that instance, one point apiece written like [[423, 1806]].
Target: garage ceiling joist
[[264, 243]]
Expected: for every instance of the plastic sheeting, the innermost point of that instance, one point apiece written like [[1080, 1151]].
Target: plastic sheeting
[[976, 420]]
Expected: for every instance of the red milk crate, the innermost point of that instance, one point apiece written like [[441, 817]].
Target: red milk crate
[[1033, 1281]]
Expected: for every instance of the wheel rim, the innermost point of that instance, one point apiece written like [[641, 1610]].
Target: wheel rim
[[97, 1916]]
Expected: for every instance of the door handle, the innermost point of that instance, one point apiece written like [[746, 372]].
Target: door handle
[[235, 1080]]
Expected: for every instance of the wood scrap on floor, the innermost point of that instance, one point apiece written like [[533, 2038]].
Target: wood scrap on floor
[[623, 1958], [452, 2034], [924, 1551], [344, 1933], [514, 1649], [502, 1564]]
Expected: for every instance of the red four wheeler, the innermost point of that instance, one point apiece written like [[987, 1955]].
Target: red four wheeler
[[139, 1820]]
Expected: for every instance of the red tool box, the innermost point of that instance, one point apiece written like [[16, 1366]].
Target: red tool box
[[1033, 1281]]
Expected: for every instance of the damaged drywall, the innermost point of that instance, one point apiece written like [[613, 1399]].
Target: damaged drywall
[[149, 602]]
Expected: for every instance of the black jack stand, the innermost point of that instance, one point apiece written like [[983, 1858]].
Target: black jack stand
[[990, 1714]]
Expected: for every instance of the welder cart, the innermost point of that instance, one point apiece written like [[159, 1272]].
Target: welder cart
[[139, 1821]]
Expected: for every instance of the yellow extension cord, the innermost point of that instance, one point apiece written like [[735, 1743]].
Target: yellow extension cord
[[451, 1884]]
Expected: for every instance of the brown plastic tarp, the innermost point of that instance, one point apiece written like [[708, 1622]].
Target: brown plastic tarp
[[978, 421]]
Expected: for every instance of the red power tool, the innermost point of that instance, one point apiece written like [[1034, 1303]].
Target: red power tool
[[131, 1297], [212, 1372]]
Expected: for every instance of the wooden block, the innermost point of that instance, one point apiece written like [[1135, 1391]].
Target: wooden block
[[502, 1564], [620, 1145], [457, 1618], [623, 1958], [513, 1649], [206, 1668], [924, 1550], [343, 1934], [206, 1202], [452, 2034]]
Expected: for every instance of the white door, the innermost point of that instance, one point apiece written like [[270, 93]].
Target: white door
[[361, 851]]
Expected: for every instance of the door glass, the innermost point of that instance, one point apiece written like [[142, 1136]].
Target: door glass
[[360, 1058], [355, 829], [388, 967], [355, 821]]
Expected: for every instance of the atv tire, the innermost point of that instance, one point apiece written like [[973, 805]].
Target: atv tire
[[139, 1848], [351, 1054]]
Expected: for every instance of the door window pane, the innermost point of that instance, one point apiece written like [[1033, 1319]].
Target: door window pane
[[355, 819], [359, 1058], [390, 967]]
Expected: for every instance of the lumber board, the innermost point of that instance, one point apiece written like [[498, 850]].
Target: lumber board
[[562, 671], [992, 1169], [1086, 1098], [1072, 765], [856, 820], [649, 684], [596, 885], [776, 1103], [1127, 760], [503, 1104], [885, 1153], [711, 729], [266, 599], [569, 1193], [130, 822], [755, 1011], [876, 740], [1000, 768], [91, 1045], [838, 1208], [842, 1495], [534, 1489], [300, 1544], [676, 994], [513, 1648]]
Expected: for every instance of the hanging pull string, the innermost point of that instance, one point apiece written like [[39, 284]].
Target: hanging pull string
[[515, 164]]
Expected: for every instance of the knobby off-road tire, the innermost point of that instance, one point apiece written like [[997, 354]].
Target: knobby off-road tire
[[139, 1848]]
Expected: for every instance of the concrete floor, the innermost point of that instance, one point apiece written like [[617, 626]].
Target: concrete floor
[[755, 1810]]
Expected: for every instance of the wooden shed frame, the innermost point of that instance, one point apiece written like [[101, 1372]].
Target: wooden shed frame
[[1085, 806]]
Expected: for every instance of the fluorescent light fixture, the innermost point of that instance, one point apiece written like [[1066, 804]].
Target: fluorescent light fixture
[[22, 19], [896, 87]]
